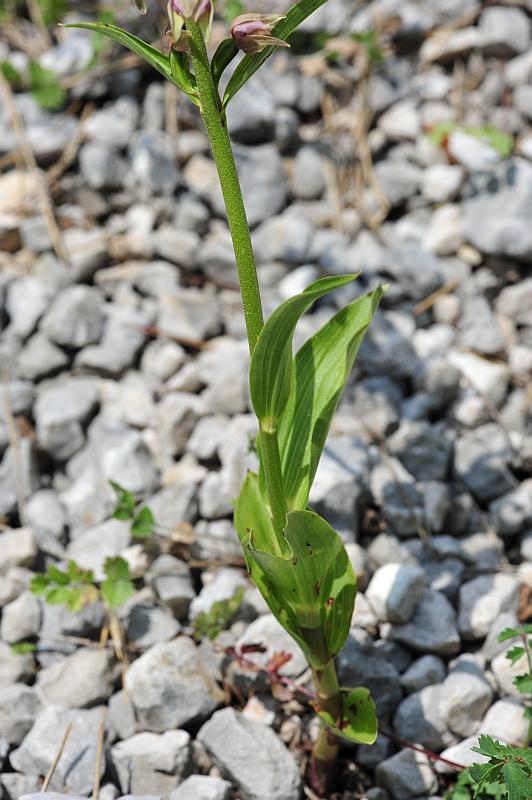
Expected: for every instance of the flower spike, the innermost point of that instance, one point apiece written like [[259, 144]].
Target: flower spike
[[252, 32]]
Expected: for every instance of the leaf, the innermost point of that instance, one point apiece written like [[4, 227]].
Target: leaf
[[270, 372], [143, 523], [523, 684], [39, 584], [370, 40], [52, 10], [508, 633], [489, 747], [62, 595], [151, 55], [125, 508], [312, 590], [225, 52], [359, 718], [45, 87], [182, 76], [518, 783], [527, 713], [21, 648], [118, 586], [9, 72], [210, 623], [515, 654], [251, 63], [56, 575], [321, 369]]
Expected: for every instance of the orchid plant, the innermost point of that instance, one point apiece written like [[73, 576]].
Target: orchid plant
[[294, 557]]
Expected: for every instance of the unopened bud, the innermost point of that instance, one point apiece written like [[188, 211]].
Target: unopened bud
[[252, 32], [179, 11]]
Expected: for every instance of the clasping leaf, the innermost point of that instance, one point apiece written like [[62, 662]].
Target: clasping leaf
[[359, 718]]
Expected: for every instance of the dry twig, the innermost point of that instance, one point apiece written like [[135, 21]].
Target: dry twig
[[55, 762]]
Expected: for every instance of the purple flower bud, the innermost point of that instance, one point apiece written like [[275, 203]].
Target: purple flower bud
[[191, 9], [252, 32]]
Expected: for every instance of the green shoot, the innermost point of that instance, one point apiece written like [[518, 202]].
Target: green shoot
[[523, 682], [76, 587], [510, 767], [22, 648], [141, 519]]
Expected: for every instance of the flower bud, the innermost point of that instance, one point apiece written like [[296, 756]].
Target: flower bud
[[252, 32], [179, 11], [140, 5]]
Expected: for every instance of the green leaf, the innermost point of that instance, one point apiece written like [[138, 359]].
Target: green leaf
[[232, 9], [52, 10], [125, 508], [56, 575], [182, 76], [45, 87], [118, 586], [21, 648], [251, 63], [62, 595], [270, 372], [523, 684], [10, 73], [39, 584], [312, 590], [515, 654], [143, 523], [370, 40], [225, 52], [210, 623], [518, 783], [320, 371], [151, 55], [489, 747], [359, 719], [508, 633], [527, 713]]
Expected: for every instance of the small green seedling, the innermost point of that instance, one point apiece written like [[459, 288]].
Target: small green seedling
[[209, 624], [76, 587], [294, 557], [466, 788], [516, 654], [23, 648], [41, 82], [507, 766], [127, 509]]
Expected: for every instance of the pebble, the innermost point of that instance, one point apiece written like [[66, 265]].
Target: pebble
[[432, 629], [183, 692], [482, 599], [465, 696], [150, 762], [420, 719], [18, 549], [268, 772], [21, 619], [81, 680], [202, 787], [394, 591], [424, 671], [76, 768], [309, 178], [360, 665], [406, 774], [19, 705], [504, 31]]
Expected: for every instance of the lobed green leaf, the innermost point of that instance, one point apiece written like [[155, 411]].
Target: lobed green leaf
[[142, 526]]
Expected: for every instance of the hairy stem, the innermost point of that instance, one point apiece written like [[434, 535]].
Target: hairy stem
[[224, 159], [325, 749]]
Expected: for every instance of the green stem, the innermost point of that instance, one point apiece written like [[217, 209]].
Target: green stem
[[325, 750], [224, 159], [216, 127]]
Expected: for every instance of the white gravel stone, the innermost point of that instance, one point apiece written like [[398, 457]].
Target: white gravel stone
[[202, 787], [252, 756], [182, 692], [395, 590], [482, 599], [432, 629], [441, 182], [465, 696], [150, 762], [21, 619]]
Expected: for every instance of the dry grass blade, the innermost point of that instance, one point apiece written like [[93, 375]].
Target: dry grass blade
[[31, 165], [432, 298], [55, 762], [98, 762]]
